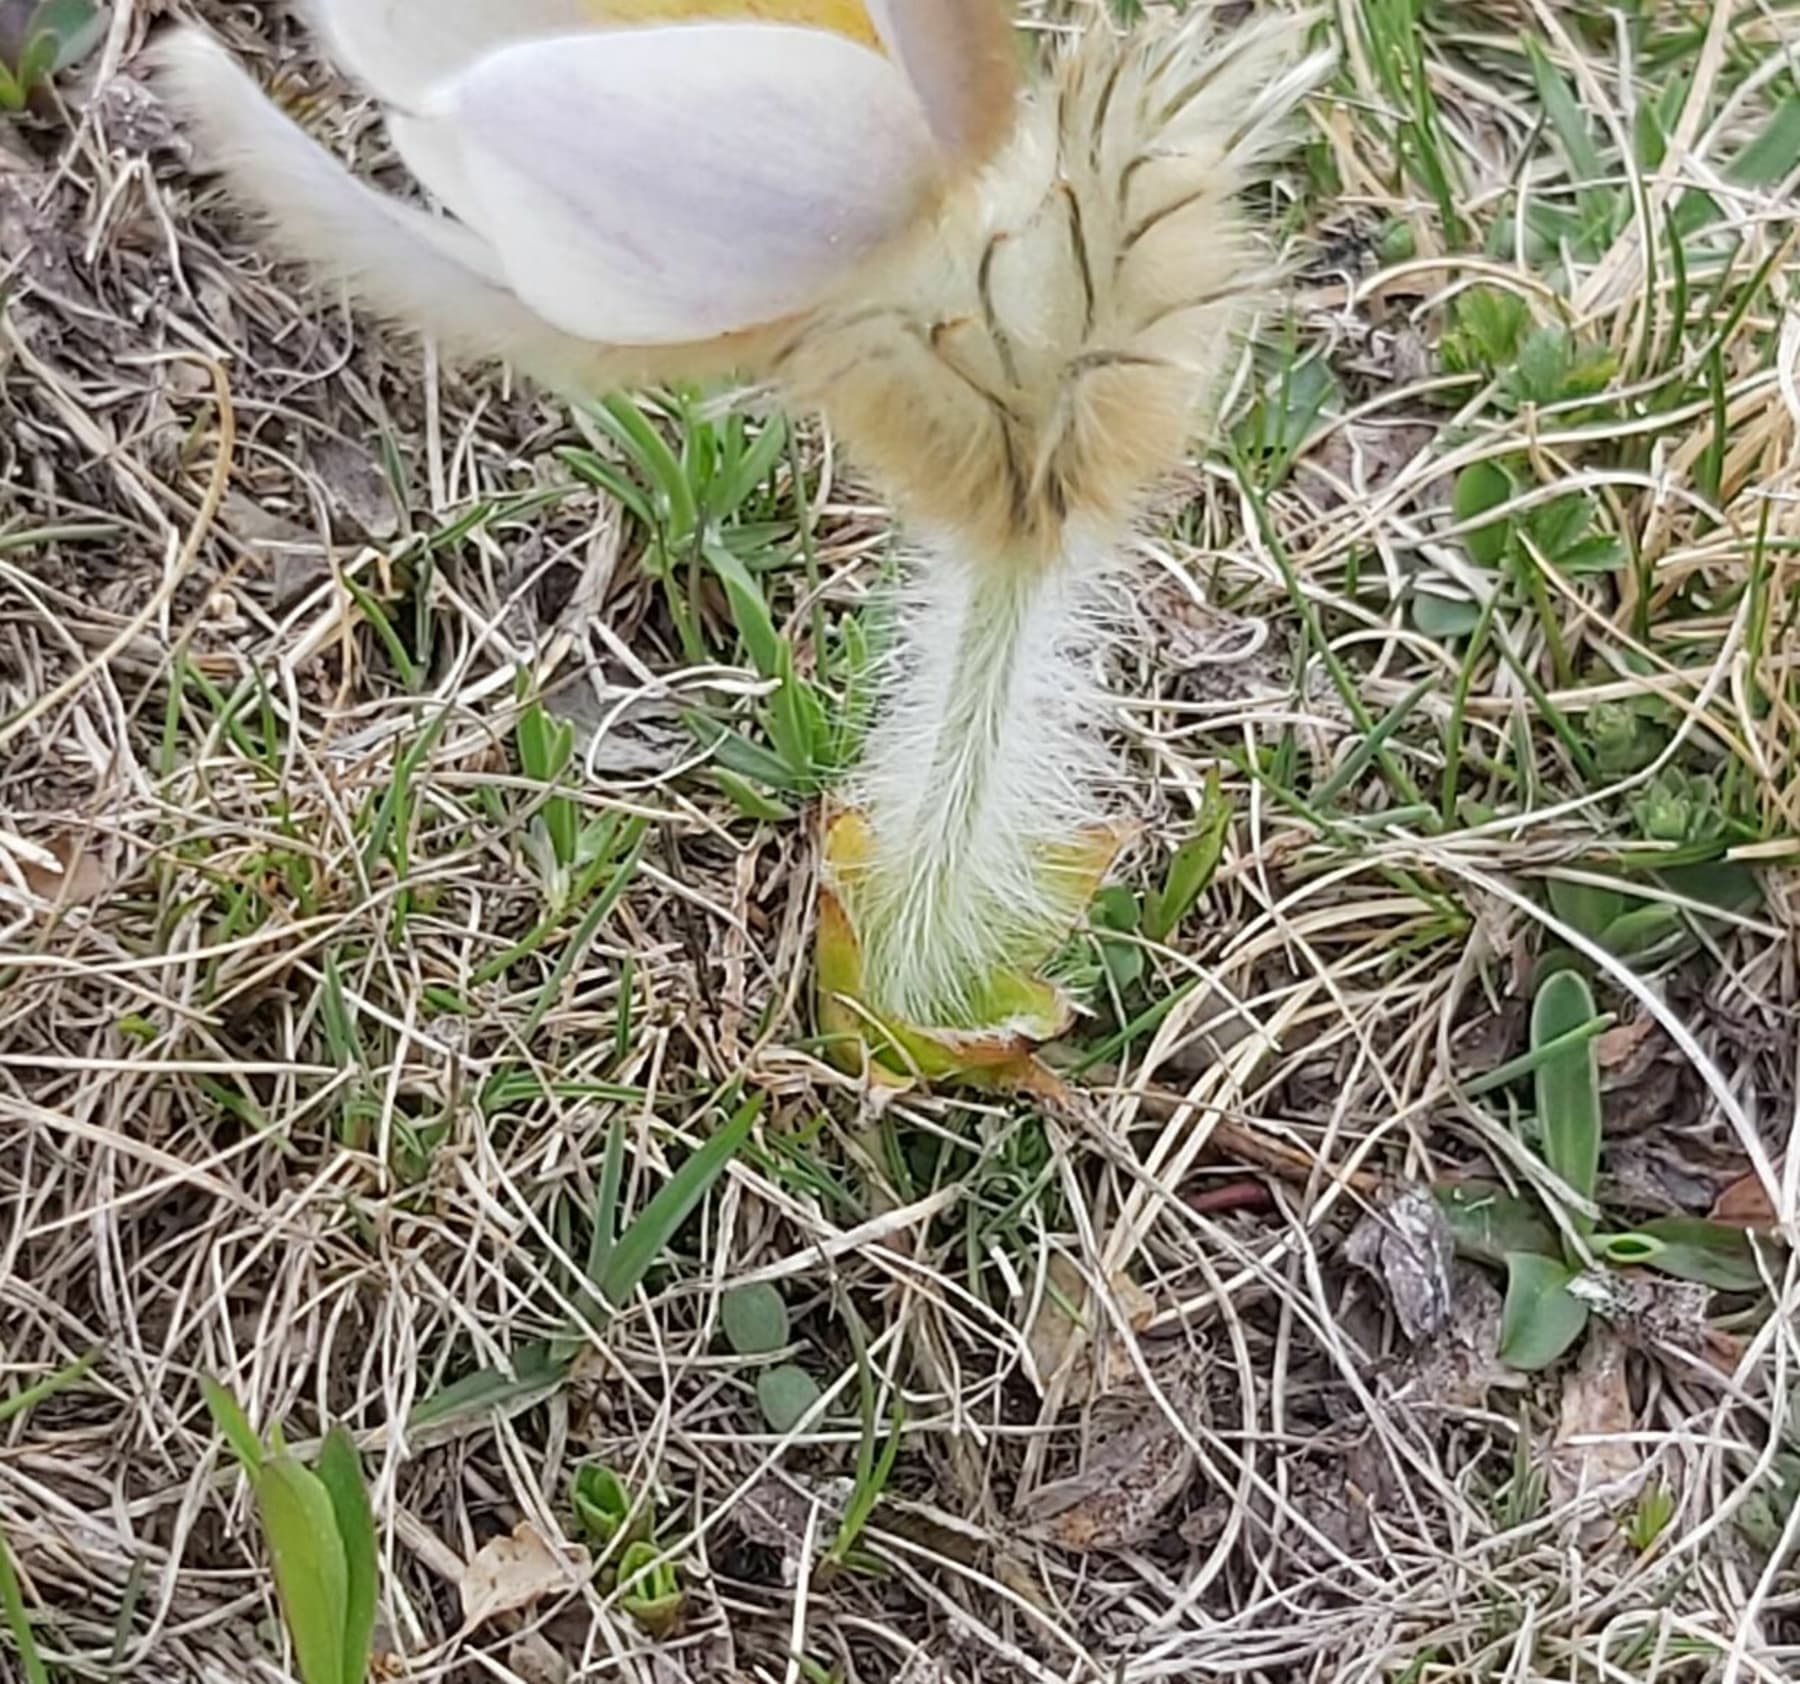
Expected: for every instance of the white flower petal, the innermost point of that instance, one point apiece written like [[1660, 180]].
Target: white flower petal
[[960, 57], [434, 155], [402, 48], [661, 185]]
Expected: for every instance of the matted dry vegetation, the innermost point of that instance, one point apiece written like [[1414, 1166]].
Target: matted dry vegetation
[[308, 1058]]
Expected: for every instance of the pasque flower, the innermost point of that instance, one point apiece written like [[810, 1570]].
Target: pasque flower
[[1014, 298]]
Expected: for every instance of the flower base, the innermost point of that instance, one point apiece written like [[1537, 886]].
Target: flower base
[[1018, 1009]]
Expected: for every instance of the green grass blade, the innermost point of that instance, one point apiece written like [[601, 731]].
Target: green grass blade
[[536, 1372], [229, 1417], [17, 1620], [49, 1386], [606, 1204], [644, 1241]]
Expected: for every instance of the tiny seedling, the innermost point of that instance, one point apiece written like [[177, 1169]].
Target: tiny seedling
[[320, 1535], [650, 1590], [604, 1512], [39, 40]]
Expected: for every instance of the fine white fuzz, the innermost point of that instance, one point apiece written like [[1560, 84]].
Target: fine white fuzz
[[981, 770], [1042, 364]]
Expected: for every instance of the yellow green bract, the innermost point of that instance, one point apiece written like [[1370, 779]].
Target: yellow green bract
[[1017, 1008]]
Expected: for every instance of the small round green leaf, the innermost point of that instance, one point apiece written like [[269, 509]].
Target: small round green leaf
[[755, 1319], [1541, 1318], [786, 1394], [1481, 488]]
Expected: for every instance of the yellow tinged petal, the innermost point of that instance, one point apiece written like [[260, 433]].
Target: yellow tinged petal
[[842, 17]]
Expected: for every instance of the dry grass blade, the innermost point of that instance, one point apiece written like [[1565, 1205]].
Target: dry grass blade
[[350, 1008]]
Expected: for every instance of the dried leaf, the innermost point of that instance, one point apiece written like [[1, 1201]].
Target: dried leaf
[[513, 1572], [1595, 1461], [1461, 1365], [66, 871], [1409, 1248], [1745, 1204], [536, 1661], [1075, 1340], [1132, 1477]]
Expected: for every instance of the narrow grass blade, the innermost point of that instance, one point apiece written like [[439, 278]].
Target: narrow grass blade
[[49, 1386], [537, 1372], [643, 1242], [228, 1416], [18, 1621]]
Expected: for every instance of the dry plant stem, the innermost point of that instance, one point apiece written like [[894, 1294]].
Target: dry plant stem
[[1240, 1141]]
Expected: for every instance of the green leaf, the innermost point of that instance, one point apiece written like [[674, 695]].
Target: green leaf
[[70, 1375], [1568, 1085], [1585, 907], [311, 1574], [1647, 934], [1489, 1224], [1726, 884], [603, 1507], [72, 29], [750, 613], [1544, 363], [1490, 322], [755, 1319], [1770, 157], [1193, 866], [786, 1395], [1566, 117], [644, 1241], [1556, 525], [537, 1372], [606, 1203], [1481, 488], [1444, 617], [228, 1416], [651, 1591], [1716, 1254], [339, 1470], [749, 800], [1541, 1318], [17, 1619]]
